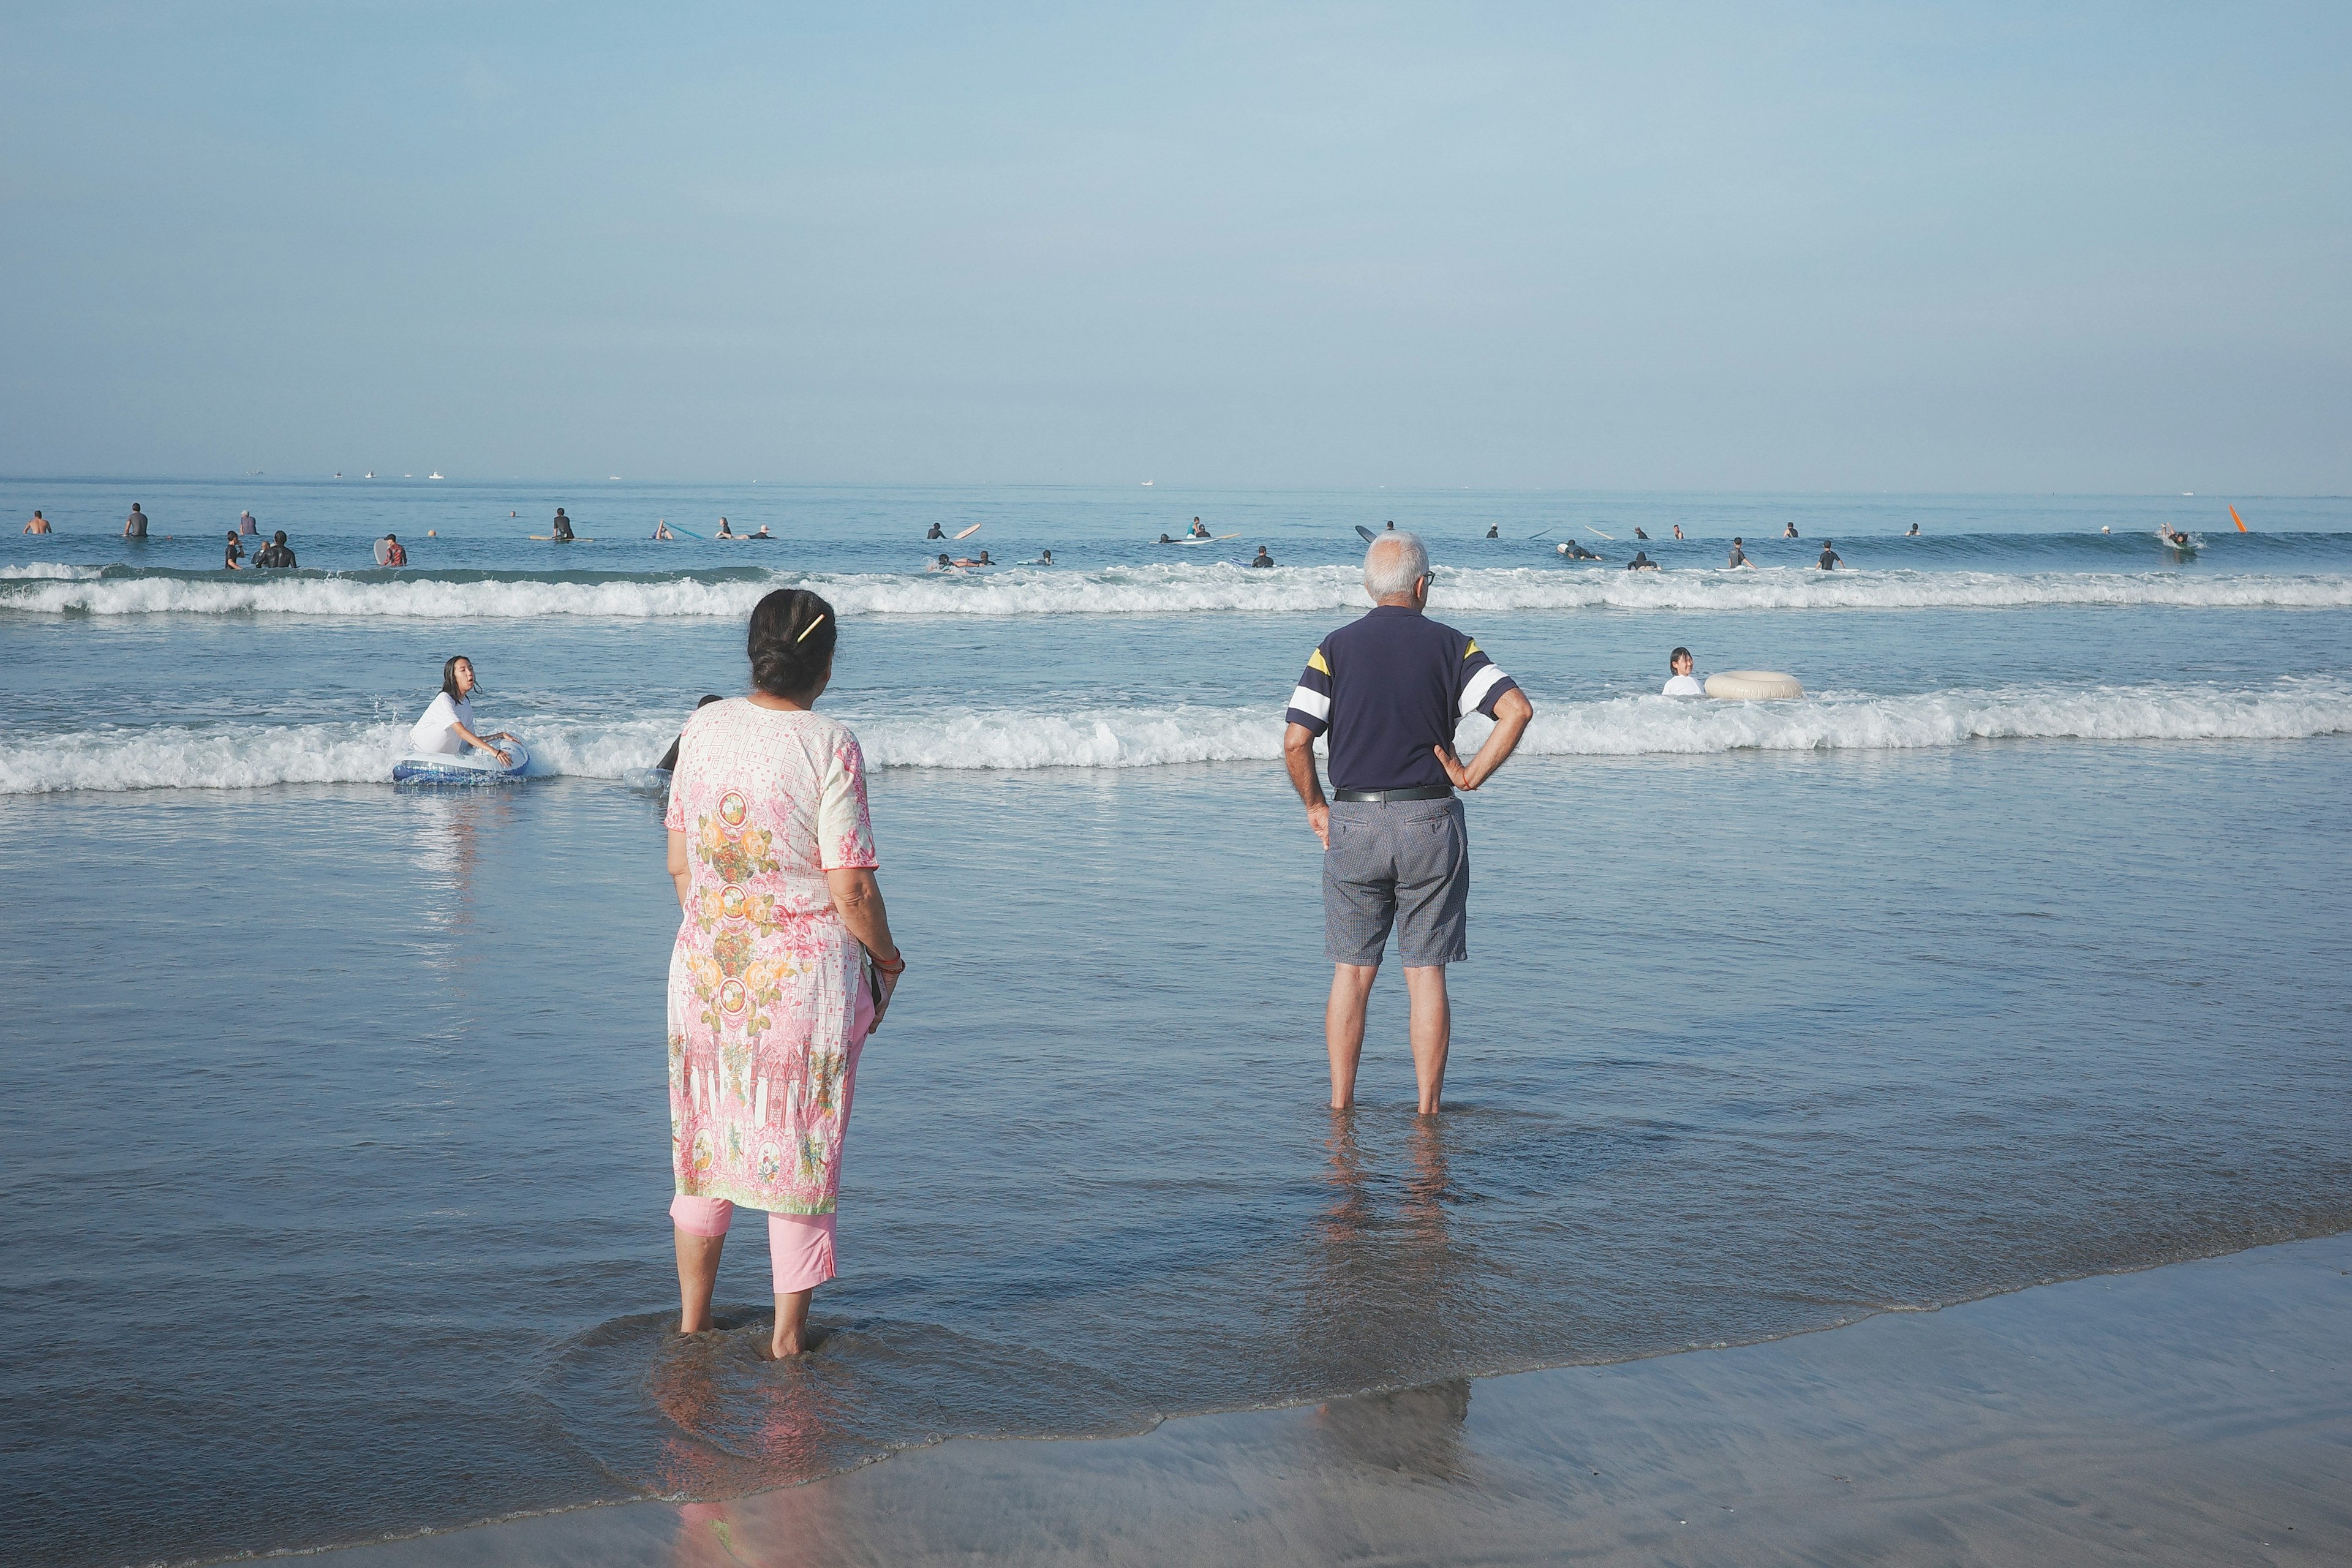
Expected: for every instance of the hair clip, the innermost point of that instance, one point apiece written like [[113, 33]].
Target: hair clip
[[808, 628]]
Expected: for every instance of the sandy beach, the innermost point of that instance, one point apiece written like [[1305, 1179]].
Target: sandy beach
[[2196, 1413]]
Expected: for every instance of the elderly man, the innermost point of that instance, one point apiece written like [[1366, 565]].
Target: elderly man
[[1390, 689]]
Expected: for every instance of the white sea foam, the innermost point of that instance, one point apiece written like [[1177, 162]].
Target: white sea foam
[[1154, 590], [52, 570], [244, 755]]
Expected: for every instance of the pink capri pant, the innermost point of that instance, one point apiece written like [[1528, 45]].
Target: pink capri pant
[[800, 1246]]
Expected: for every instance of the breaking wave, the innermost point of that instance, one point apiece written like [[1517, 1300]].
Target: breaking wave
[[237, 756], [1154, 590]]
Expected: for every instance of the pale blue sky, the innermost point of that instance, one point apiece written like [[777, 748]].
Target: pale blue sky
[[1978, 247]]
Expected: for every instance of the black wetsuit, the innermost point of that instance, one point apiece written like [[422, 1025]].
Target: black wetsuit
[[1263, 560], [936, 533], [1830, 558], [1639, 534], [1496, 532], [274, 555]]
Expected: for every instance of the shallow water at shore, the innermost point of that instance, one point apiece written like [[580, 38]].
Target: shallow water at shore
[[383, 1169]]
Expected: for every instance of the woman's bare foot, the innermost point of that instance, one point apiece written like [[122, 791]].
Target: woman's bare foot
[[792, 1335]]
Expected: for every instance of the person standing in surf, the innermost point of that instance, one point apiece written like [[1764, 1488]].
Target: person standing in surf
[[135, 525], [782, 967], [1390, 689]]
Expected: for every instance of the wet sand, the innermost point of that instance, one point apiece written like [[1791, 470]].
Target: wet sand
[[2197, 1412]]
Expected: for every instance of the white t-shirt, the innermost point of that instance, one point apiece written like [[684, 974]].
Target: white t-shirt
[[434, 733], [1683, 686]]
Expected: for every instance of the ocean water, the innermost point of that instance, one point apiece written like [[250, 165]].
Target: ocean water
[[336, 1149]]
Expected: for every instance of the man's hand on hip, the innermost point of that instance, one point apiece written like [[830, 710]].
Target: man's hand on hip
[[1454, 770]]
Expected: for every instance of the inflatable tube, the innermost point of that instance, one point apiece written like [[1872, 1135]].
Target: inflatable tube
[[1753, 684], [471, 768]]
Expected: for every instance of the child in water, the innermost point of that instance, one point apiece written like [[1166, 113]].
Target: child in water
[[1680, 681]]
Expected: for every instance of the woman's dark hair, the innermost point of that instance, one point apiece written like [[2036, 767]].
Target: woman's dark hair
[[791, 642], [1676, 658], [450, 677]]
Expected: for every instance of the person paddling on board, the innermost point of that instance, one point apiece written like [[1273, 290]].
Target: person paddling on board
[[942, 563], [447, 726], [1681, 681], [561, 527], [2173, 536], [760, 532], [1831, 560], [1640, 562], [1738, 555]]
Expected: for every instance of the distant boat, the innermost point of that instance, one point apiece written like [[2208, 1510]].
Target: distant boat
[[1146, 484], [338, 473], [253, 472], [614, 478], [369, 475], [432, 475]]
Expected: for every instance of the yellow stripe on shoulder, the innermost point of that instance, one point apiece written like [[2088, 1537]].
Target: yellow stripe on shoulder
[[1471, 649], [1315, 661]]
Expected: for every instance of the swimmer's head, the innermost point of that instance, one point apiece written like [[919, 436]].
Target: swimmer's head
[[457, 678], [1679, 662], [279, 537]]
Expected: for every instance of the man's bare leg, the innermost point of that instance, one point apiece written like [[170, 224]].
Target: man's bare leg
[[1343, 1027], [1432, 1031]]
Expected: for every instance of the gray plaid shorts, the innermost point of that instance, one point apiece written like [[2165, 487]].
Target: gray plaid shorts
[[1405, 864]]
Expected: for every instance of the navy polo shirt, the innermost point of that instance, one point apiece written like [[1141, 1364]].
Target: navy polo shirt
[[1387, 689]]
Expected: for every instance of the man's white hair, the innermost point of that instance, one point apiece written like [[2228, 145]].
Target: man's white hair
[[1395, 562]]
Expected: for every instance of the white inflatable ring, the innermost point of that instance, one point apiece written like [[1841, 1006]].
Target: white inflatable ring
[[1753, 684]]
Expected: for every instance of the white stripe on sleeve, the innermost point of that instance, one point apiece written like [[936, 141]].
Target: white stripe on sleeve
[[1313, 702], [1480, 684]]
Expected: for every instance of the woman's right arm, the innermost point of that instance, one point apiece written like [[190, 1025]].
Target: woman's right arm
[[680, 871], [857, 896]]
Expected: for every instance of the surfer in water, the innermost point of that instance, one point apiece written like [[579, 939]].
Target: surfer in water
[[1913, 533], [1263, 557], [245, 524], [1739, 555], [661, 530], [724, 531], [39, 524], [1494, 530], [229, 562], [1678, 531], [1639, 534], [135, 525], [276, 552], [1165, 540], [936, 533], [1198, 530], [561, 527], [2173, 536], [1831, 560], [1640, 562], [447, 727], [1576, 551], [668, 764], [1789, 531], [1044, 558], [1681, 682]]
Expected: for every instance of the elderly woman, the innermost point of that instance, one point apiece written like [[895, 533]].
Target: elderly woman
[[783, 964]]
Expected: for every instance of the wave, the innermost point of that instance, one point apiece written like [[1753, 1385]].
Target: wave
[[240, 756], [1140, 591]]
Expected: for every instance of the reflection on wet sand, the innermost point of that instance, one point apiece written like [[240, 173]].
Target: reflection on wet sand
[[1390, 1274]]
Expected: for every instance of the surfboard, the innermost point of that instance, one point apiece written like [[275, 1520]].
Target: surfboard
[[1368, 534], [576, 539], [383, 553], [1219, 538], [2236, 519], [470, 767], [1610, 537], [968, 532]]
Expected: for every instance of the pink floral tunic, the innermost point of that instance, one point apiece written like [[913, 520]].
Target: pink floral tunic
[[763, 980]]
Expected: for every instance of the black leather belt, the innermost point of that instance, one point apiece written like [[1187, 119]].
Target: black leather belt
[[1380, 797]]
